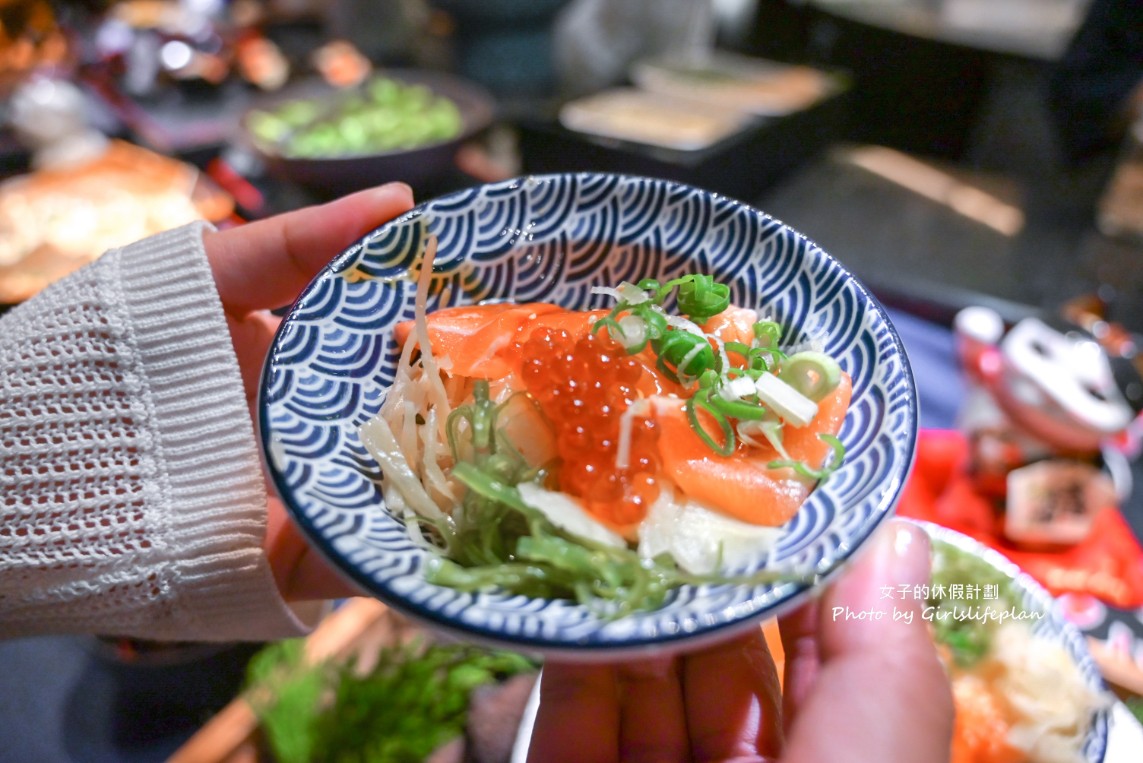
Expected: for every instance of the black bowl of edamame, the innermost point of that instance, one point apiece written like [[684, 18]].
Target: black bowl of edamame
[[396, 125]]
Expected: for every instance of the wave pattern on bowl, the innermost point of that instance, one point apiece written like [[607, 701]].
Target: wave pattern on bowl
[[552, 238]]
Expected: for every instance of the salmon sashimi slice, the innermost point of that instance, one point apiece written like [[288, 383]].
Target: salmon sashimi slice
[[476, 340], [734, 324], [742, 485], [803, 443], [576, 323]]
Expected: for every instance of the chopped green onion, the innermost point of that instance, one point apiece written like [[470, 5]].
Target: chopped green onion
[[755, 357], [701, 298], [610, 323], [701, 401], [649, 284], [678, 348], [656, 321], [738, 348], [814, 374], [480, 415], [737, 409], [709, 378], [767, 333], [805, 470]]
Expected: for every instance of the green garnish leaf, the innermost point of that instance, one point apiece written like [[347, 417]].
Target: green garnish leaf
[[413, 701]]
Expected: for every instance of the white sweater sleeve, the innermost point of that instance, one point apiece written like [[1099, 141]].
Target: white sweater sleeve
[[132, 501]]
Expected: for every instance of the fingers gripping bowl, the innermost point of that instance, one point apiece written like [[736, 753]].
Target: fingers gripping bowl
[[556, 239]]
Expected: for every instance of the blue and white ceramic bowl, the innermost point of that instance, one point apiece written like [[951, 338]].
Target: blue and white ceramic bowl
[[1051, 625], [552, 238]]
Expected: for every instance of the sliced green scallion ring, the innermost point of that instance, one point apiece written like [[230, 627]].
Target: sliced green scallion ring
[[814, 374], [701, 298], [767, 333], [649, 284], [689, 354], [805, 470], [630, 331], [701, 400]]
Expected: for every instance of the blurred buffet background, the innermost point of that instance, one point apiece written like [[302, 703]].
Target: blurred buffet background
[[976, 163]]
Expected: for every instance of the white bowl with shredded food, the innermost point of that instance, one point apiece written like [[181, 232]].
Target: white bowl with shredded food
[[1017, 666]]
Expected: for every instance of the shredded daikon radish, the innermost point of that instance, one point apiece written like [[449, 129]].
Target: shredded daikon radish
[[637, 409], [770, 430], [414, 524], [632, 294], [607, 291], [1043, 684], [408, 439], [400, 378], [378, 439], [421, 331], [438, 482], [445, 364], [627, 292]]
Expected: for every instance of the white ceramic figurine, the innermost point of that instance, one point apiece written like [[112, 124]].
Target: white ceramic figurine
[[1048, 417]]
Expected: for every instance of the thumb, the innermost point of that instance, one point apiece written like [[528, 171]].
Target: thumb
[[264, 264], [881, 693]]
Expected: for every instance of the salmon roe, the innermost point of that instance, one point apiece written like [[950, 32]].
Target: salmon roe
[[583, 387]]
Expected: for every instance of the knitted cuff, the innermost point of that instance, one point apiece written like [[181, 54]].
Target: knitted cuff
[[220, 577]]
